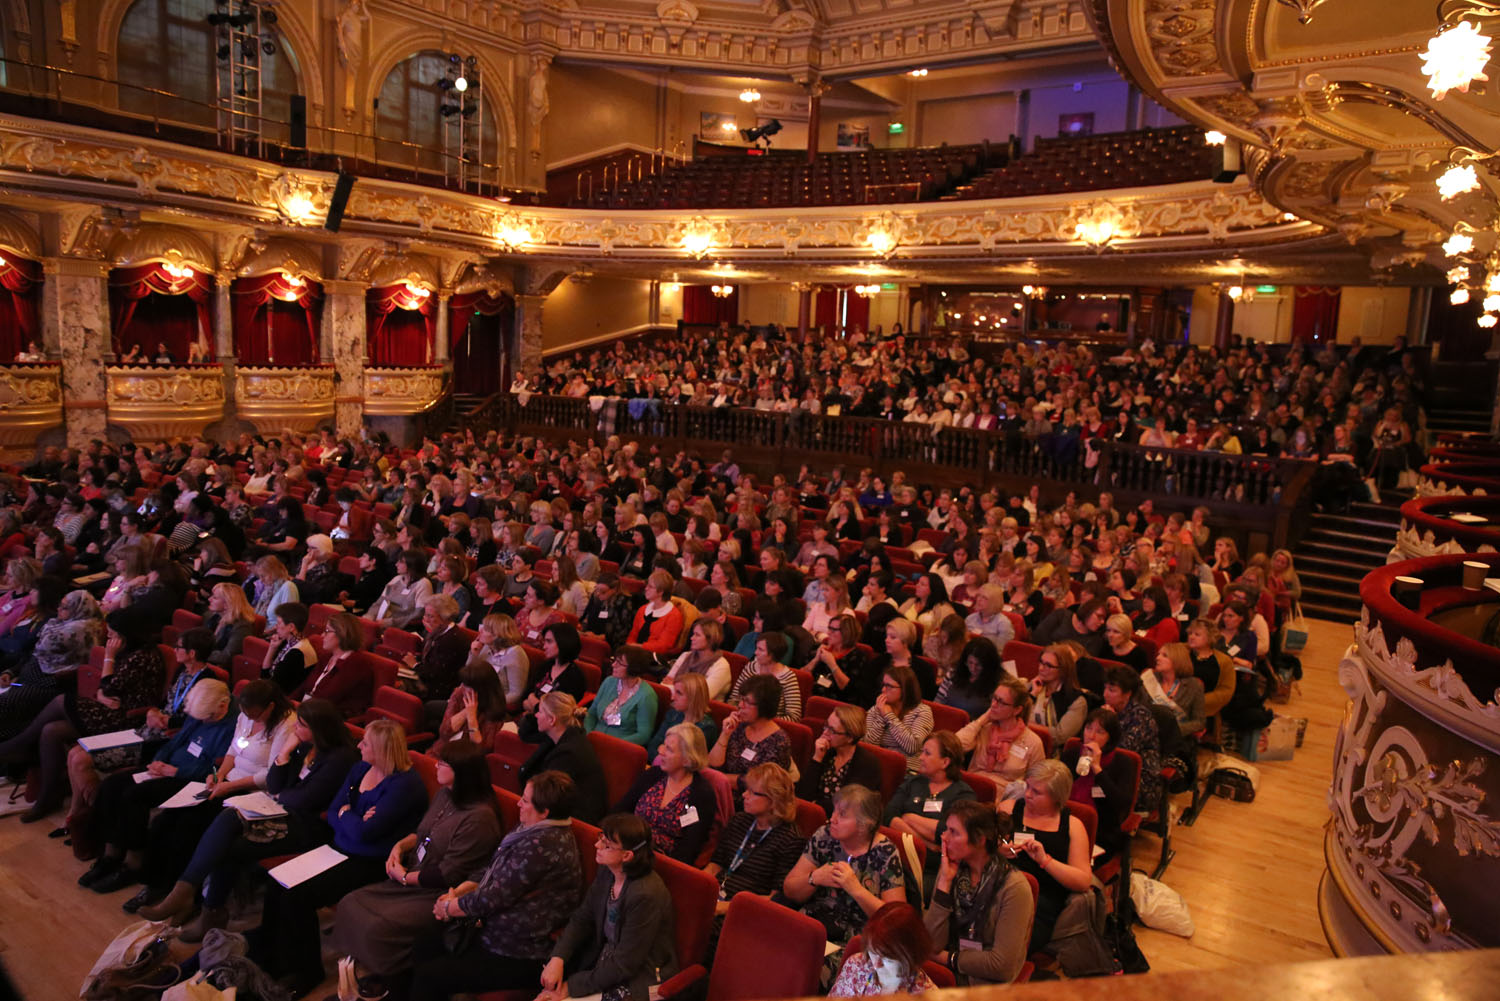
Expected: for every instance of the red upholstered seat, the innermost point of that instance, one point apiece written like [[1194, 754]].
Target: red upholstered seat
[[947, 717], [402, 707], [740, 971], [810, 817], [621, 760]]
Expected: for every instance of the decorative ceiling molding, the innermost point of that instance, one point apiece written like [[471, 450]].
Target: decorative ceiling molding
[[142, 243]]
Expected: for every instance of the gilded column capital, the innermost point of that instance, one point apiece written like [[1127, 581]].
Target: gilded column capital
[[74, 266], [343, 286]]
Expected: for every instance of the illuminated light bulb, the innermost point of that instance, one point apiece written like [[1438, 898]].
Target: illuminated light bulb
[[729, 126], [1493, 284], [1235, 292], [1458, 243], [917, 73], [880, 241], [1457, 180], [749, 95], [1487, 320], [1491, 304], [697, 244], [1458, 273], [1455, 58], [461, 84], [1459, 296], [417, 291], [1214, 137]]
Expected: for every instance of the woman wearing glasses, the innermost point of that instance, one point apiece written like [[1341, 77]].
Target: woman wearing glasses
[[761, 843], [849, 869], [621, 941], [625, 706], [900, 720], [1059, 705], [838, 759], [1003, 746]]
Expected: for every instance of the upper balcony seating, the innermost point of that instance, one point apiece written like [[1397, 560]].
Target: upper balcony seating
[[870, 177], [1094, 163]]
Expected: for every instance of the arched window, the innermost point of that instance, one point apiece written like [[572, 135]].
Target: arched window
[[168, 45], [410, 103]]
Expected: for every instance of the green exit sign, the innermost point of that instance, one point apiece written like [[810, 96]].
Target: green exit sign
[[896, 128], [887, 286], [1265, 289]]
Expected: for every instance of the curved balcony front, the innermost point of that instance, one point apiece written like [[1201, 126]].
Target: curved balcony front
[[1413, 849], [1467, 477], [30, 403], [279, 398], [1447, 525], [403, 392], [164, 401]]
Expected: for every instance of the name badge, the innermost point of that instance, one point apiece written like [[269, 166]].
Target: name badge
[[1017, 750], [1010, 668], [421, 851], [933, 806], [195, 749], [612, 719], [748, 754], [1234, 651], [1097, 793], [825, 681], [546, 687], [970, 945], [603, 613], [689, 817]]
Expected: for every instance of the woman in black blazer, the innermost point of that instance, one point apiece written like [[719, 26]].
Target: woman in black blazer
[[636, 950], [566, 748], [839, 759]]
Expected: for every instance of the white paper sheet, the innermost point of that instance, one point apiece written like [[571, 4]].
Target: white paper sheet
[[307, 865], [256, 806], [104, 741], [186, 796]]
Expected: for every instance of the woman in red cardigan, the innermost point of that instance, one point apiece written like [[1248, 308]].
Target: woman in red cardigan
[[658, 623]]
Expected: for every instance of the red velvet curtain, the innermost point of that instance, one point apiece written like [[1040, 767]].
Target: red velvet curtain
[[1315, 312], [21, 281], [402, 322], [276, 319], [477, 323], [826, 311], [700, 305], [148, 306]]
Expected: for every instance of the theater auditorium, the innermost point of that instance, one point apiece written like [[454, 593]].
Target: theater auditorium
[[748, 499]]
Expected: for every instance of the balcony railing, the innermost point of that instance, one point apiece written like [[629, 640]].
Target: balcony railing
[[1256, 493]]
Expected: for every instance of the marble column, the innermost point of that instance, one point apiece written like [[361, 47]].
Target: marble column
[[1224, 322], [344, 330], [440, 349], [223, 318], [75, 325], [528, 341], [804, 310]]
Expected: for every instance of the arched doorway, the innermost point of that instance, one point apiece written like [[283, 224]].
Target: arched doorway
[[478, 323]]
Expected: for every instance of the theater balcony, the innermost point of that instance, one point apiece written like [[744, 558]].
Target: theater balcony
[[1469, 476], [1447, 525], [1413, 849], [30, 403], [164, 401], [273, 398]]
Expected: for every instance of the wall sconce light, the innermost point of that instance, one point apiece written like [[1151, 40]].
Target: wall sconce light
[[1214, 137], [749, 95], [178, 271], [1458, 243], [698, 243], [1487, 320], [417, 291], [723, 291], [1034, 291], [1458, 296], [513, 236], [881, 242], [866, 291]]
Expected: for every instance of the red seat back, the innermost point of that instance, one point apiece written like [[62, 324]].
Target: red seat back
[[984, 788], [1025, 655], [740, 971], [695, 894], [892, 769], [801, 739], [621, 760], [427, 768], [947, 717], [1044, 735], [810, 817]]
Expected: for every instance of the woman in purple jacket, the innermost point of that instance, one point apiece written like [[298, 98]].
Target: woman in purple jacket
[[380, 802]]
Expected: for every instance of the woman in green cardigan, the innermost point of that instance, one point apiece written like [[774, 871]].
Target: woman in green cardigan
[[625, 706]]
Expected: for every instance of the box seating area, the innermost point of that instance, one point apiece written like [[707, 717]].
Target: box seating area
[[870, 177], [1094, 163]]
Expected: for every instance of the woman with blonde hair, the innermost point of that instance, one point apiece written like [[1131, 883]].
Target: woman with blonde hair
[[572, 596], [132, 566], [839, 758], [1171, 683], [498, 644], [1058, 704], [689, 705], [1119, 636], [566, 749], [381, 801], [272, 586], [232, 621], [1003, 746], [822, 614], [703, 658], [759, 845]]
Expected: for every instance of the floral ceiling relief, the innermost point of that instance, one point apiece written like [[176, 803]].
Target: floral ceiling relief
[[1181, 34]]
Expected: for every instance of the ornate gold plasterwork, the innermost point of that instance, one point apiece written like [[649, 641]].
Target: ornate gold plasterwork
[[18, 237], [280, 254], [1437, 488], [1411, 544], [1181, 34], [164, 401], [275, 398], [1409, 792], [30, 403], [141, 243], [401, 392], [417, 269]]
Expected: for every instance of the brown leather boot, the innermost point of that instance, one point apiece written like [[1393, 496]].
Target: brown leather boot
[[175, 906]]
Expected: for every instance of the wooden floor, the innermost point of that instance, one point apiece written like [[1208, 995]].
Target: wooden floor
[[1248, 871]]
